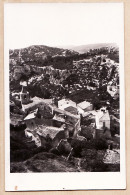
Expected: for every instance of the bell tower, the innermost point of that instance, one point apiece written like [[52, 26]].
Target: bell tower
[[24, 96]]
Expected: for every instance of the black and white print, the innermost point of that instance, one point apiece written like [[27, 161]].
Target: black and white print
[[64, 81], [64, 109]]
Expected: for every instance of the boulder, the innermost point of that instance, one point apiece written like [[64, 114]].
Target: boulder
[[64, 147]]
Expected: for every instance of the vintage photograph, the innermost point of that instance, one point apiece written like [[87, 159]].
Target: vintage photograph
[[64, 88], [64, 109]]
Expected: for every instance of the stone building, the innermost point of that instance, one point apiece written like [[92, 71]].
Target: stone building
[[65, 103], [102, 119], [84, 107], [103, 123], [24, 96], [34, 119]]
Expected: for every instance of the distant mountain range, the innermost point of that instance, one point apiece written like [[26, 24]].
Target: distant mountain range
[[41, 50], [86, 48]]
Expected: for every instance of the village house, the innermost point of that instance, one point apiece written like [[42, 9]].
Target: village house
[[72, 121], [102, 119], [43, 134], [68, 105], [33, 103], [40, 129], [50, 132], [35, 119], [45, 121], [58, 120], [84, 107], [72, 110], [102, 123]]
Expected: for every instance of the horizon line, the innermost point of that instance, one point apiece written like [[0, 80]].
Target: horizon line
[[60, 46]]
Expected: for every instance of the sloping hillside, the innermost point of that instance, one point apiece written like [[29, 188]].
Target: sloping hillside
[[38, 51]]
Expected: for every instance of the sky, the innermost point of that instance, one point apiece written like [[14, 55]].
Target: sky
[[62, 24]]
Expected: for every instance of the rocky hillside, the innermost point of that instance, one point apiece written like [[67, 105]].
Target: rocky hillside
[[90, 156], [55, 73], [39, 55]]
